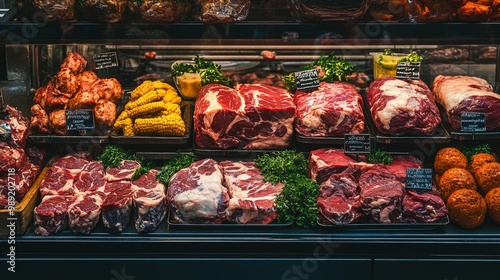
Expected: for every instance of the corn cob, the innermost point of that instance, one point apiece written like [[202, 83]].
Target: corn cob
[[146, 98], [156, 115], [123, 115], [121, 123], [148, 108], [128, 130], [171, 96], [171, 125], [147, 86]]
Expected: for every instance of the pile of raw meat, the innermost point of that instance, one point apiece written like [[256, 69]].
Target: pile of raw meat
[[78, 190], [248, 117], [23, 164], [211, 192], [354, 191], [73, 88]]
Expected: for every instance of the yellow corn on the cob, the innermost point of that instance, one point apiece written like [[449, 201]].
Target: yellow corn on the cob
[[156, 115], [148, 108], [123, 115], [171, 96], [146, 98], [128, 130], [121, 123], [142, 89], [171, 125]]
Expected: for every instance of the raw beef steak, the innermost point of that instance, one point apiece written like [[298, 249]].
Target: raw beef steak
[[425, 207], [4, 202], [124, 171], [11, 158], [251, 198], [51, 216], [250, 116], [22, 181], [73, 163], [339, 201], [402, 107], [116, 186], [196, 194], [116, 210], [148, 182], [327, 161], [331, 110], [58, 181], [150, 207], [459, 94], [18, 127], [381, 201], [84, 213], [91, 179]]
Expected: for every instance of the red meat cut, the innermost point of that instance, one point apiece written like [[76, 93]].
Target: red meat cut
[[424, 207], [250, 117], [51, 215], [84, 212], [402, 107], [18, 127], [22, 181], [124, 171], [73, 163], [11, 158], [331, 110], [251, 198], [148, 182], [150, 207], [459, 94], [58, 181], [117, 185], [381, 201], [117, 209], [196, 195], [91, 179]]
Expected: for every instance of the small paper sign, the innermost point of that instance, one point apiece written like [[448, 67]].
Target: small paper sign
[[307, 79], [408, 70], [419, 178], [473, 122], [105, 60], [79, 120], [357, 144]]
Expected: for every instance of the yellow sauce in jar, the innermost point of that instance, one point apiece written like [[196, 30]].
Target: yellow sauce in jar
[[189, 84], [385, 65]]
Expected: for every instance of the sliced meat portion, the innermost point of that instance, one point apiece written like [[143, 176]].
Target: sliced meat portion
[[110, 187], [381, 201], [331, 110], [402, 107], [148, 182], [150, 207], [425, 207], [51, 215], [196, 194], [340, 184], [84, 212], [124, 171], [251, 198], [11, 158], [58, 181], [459, 94], [18, 127], [73, 163], [117, 210], [91, 178]]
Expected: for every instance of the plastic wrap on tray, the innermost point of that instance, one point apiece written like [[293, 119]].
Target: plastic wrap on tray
[[56, 10], [453, 10], [160, 11], [330, 10], [221, 11], [102, 10], [388, 10]]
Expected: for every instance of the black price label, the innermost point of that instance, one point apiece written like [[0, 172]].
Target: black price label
[[79, 120], [408, 70], [307, 79], [357, 143], [105, 60], [473, 122], [419, 178]]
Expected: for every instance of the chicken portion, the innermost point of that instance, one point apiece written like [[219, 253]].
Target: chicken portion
[[86, 79], [54, 99], [65, 82], [108, 89], [83, 100], [74, 62], [105, 113], [39, 120], [57, 122]]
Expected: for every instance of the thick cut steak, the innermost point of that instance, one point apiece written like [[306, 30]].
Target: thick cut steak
[[339, 201], [250, 117], [91, 179], [73, 163], [150, 207], [459, 94], [22, 181], [196, 194], [402, 107], [117, 185], [123, 171], [84, 213], [425, 207], [117, 209], [51, 216], [251, 198], [331, 110], [148, 182], [381, 201], [58, 181]]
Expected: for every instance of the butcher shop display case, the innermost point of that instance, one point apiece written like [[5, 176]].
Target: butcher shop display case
[[120, 72]]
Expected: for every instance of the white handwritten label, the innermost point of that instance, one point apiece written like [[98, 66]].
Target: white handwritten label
[[419, 178], [408, 70], [105, 60], [307, 79], [473, 122], [79, 120], [357, 144]]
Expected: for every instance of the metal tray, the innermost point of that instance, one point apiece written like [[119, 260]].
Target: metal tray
[[57, 139], [235, 152], [383, 227], [187, 116], [327, 140], [458, 135]]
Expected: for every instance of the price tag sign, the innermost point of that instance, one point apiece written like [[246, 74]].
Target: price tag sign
[[105, 60], [79, 120], [473, 122], [408, 70], [419, 178], [307, 79], [357, 144]]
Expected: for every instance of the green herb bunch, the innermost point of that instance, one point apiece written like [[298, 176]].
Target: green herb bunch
[[173, 165], [470, 151], [379, 156], [297, 200], [210, 72], [113, 155], [412, 57]]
